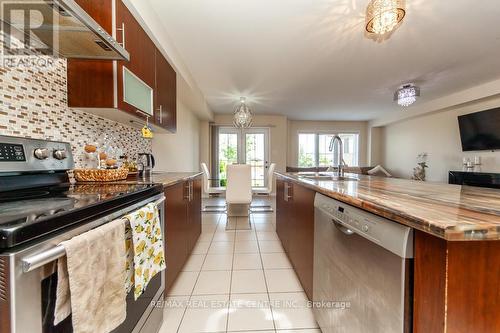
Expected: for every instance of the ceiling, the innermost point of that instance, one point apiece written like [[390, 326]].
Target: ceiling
[[310, 60]]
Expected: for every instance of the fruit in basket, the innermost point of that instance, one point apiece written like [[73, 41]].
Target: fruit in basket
[[132, 167], [90, 148], [110, 162]]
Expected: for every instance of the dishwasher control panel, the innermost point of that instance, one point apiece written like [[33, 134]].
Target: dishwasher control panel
[[384, 232], [350, 218]]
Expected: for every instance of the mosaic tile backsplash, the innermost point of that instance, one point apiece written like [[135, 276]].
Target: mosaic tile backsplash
[[33, 103]]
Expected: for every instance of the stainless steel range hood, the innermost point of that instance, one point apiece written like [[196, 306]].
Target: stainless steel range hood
[[62, 28]]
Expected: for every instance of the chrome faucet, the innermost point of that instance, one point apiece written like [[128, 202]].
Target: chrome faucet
[[340, 171]]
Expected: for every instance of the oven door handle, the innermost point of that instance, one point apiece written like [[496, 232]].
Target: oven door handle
[[40, 259]]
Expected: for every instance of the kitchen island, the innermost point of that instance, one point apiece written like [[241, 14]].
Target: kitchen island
[[456, 241]]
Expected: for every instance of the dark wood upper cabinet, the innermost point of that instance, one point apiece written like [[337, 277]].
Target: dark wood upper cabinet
[[165, 93], [98, 84], [142, 56], [91, 82]]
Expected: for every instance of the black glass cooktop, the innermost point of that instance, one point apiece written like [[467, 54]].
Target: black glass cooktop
[[31, 213]]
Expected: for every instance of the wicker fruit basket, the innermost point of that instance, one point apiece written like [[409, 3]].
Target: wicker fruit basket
[[100, 175]]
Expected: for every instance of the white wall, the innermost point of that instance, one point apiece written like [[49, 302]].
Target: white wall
[[438, 135], [204, 142], [295, 127], [374, 146], [179, 152]]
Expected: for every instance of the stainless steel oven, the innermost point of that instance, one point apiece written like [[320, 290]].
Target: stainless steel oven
[[28, 283]]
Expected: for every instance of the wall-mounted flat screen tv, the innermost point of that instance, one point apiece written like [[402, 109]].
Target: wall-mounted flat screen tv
[[480, 130]]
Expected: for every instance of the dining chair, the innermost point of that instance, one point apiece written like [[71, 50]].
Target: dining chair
[[210, 190], [238, 190], [270, 182]]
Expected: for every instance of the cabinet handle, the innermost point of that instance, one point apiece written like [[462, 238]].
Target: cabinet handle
[[191, 191], [188, 195], [287, 192], [161, 114], [122, 29]]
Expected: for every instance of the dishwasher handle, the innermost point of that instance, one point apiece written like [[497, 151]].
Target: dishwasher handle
[[342, 228]]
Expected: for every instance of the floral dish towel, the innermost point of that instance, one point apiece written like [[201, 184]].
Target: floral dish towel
[[144, 244]]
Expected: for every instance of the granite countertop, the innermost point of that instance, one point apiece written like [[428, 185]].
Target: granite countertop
[[452, 212], [172, 178], [164, 178], [168, 178]]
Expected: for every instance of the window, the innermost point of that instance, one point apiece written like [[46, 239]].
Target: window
[[314, 149], [307, 150], [228, 154], [325, 157]]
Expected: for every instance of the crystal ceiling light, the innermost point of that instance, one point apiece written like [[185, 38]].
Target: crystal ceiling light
[[382, 16], [242, 116], [407, 94]]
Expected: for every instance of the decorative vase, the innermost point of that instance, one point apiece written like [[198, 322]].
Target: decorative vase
[[419, 170]]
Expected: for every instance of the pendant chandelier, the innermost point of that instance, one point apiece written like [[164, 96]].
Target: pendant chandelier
[[382, 16], [242, 116], [407, 94]]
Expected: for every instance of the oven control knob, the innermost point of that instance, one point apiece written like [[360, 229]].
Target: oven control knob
[[365, 228], [41, 153], [60, 154]]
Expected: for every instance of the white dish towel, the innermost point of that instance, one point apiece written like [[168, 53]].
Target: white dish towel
[[91, 279]]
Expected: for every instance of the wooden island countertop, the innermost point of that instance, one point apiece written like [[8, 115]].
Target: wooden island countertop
[[451, 212]]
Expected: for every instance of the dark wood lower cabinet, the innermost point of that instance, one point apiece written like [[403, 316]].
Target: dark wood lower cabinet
[[302, 236], [175, 231], [295, 228], [282, 209], [182, 225], [194, 214], [457, 285]]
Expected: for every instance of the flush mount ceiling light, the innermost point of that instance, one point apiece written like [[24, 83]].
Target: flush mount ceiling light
[[407, 94], [382, 16], [242, 116]]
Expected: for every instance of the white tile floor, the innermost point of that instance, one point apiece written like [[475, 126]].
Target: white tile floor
[[238, 281]]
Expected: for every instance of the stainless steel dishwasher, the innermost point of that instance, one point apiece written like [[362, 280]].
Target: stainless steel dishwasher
[[362, 270]]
